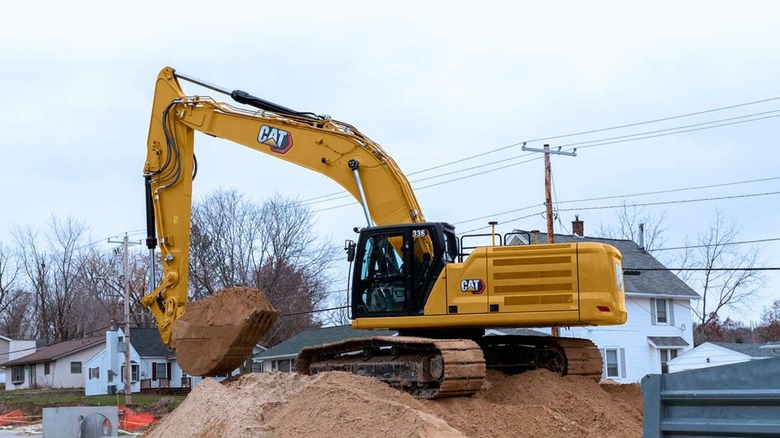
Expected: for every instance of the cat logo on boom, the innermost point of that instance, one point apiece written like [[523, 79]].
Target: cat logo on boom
[[280, 140], [476, 287]]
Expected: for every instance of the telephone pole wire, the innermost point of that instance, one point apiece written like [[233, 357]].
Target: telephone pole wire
[[125, 267]]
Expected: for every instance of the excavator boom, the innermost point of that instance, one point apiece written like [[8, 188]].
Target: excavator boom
[[326, 146]]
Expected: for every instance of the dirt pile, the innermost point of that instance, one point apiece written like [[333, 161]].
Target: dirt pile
[[217, 334], [533, 404]]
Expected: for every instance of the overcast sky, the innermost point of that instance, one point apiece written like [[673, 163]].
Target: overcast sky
[[432, 82]]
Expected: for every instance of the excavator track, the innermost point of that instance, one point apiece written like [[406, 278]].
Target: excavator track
[[565, 356], [425, 368]]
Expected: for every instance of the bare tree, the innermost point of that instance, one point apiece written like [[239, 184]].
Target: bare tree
[[728, 278], [52, 265], [9, 273], [629, 218], [272, 247], [14, 301], [769, 330], [224, 248]]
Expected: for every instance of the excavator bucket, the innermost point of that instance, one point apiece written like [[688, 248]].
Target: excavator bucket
[[217, 334]]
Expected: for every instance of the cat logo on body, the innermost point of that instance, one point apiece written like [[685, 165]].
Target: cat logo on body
[[280, 140], [476, 286]]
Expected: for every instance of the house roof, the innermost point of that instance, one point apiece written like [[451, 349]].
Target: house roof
[[325, 335], [58, 350], [752, 350], [660, 282], [147, 343], [667, 341]]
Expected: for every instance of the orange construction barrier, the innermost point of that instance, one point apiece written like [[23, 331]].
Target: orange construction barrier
[[13, 417], [132, 420]]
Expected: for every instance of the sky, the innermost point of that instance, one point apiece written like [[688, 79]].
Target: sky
[[433, 83]]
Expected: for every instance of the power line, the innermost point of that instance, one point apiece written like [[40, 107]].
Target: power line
[[484, 153], [743, 242], [702, 269], [680, 201], [659, 192], [493, 215], [593, 131], [314, 311], [506, 166]]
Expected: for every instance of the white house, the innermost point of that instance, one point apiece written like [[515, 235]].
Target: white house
[[153, 366], [712, 354], [56, 366], [659, 326], [11, 349], [104, 373]]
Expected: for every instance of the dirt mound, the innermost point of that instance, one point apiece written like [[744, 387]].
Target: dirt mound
[[217, 334], [533, 404]]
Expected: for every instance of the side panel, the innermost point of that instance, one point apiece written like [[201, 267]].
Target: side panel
[[524, 286], [533, 278], [467, 285], [740, 400]]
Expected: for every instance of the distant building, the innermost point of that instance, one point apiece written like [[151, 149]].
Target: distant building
[[712, 354], [59, 365]]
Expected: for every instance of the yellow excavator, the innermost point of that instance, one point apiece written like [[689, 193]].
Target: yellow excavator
[[409, 275]]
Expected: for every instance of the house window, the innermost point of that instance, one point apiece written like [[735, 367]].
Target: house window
[[660, 312], [17, 374], [612, 364], [666, 356], [133, 373], [159, 370], [47, 368], [75, 367], [94, 373]]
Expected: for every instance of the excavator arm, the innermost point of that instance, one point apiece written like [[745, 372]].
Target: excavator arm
[[326, 146]]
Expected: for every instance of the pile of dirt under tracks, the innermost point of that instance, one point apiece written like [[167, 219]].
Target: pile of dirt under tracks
[[532, 404]]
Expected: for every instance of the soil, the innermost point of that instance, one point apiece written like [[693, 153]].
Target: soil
[[217, 334], [533, 404]]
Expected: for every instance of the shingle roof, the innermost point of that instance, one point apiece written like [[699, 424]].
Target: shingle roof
[[147, 343], [752, 350], [292, 346], [58, 350], [651, 283]]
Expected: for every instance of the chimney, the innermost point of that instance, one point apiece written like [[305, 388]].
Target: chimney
[[642, 236], [578, 226]]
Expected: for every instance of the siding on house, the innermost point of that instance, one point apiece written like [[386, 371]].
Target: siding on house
[[638, 357]]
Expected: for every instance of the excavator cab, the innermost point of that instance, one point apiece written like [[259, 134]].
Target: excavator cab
[[396, 266]]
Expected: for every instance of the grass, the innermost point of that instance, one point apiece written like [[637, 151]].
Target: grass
[[65, 397]]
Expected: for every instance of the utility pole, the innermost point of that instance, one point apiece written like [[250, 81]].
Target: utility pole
[[125, 266], [548, 194], [548, 183]]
